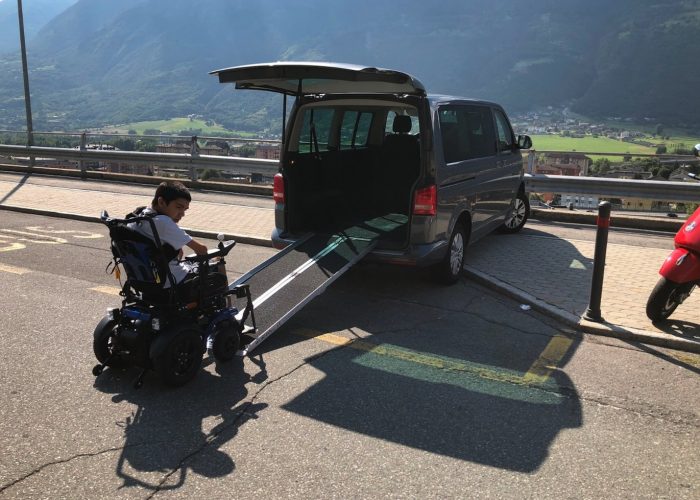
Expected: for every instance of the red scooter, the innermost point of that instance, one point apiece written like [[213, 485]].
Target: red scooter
[[680, 272]]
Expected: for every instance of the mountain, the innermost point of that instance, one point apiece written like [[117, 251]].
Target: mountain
[[102, 61], [36, 14]]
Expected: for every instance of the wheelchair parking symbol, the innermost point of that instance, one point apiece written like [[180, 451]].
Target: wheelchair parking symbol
[[15, 239]]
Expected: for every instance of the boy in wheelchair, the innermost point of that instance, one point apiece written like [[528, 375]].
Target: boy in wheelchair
[[173, 308], [170, 202]]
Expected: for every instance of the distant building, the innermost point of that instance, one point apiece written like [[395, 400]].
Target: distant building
[[563, 164], [267, 151], [573, 164]]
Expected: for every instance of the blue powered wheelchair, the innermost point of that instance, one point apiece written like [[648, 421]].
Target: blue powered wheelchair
[[168, 329]]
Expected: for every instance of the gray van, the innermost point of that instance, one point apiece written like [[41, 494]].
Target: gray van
[[368, 144]]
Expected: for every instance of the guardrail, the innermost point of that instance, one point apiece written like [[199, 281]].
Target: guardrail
[[614, 188], [190, 162]]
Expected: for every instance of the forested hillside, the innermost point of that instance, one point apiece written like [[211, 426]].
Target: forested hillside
[[111, 62]]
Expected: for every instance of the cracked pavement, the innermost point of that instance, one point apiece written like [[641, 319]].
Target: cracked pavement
[[433, 411]]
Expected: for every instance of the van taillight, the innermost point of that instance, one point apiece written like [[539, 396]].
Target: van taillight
[[278, 188], [425, 201]]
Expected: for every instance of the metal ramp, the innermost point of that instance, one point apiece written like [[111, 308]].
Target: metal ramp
[[289, 280]]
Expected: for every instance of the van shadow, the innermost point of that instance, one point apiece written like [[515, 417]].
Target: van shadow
[[165, 436], [439, 369]]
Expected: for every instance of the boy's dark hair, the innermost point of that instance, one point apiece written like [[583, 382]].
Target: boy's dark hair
[[170, 191]]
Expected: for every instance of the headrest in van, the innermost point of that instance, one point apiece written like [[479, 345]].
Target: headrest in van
[[402, 124]]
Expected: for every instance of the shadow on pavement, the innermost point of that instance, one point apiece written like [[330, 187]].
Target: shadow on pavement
[[434, 368], [164, 437], [680, 328], [549, 268]]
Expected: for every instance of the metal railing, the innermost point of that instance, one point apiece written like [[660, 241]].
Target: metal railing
[[192, 162]]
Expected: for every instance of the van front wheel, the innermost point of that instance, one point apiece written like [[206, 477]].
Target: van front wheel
[[448, 270], [519, 213]]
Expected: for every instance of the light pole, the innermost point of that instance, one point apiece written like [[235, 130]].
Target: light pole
[[25, 72]]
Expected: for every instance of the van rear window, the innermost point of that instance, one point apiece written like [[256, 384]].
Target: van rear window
[[315, 130]]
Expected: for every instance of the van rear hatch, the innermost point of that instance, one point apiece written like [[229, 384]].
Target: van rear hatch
[[303, 78]]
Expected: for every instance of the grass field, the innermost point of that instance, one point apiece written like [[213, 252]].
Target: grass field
[[587, 144], [174, 126]]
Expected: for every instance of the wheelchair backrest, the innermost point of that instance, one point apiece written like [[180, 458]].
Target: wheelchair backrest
[[144, 260]]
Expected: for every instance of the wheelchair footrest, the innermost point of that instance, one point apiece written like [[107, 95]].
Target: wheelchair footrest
[[248, 329]]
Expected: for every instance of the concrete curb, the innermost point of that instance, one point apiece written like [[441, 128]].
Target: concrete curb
[[617, 219], [240, 238], [604, 329]]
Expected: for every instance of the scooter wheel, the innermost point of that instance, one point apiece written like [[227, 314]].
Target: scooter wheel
[[665, 298]]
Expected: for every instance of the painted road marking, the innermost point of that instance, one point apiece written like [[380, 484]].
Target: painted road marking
[[86, 235], [549, 359], [6, 246], [12, 269], [538, 373], [39, 234], [109, 290]]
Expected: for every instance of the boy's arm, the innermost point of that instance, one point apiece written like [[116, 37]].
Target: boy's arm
[[198, 248]]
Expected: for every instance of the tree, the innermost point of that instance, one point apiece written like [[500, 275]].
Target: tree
[[601, 166], [660, 150], [659, 129]]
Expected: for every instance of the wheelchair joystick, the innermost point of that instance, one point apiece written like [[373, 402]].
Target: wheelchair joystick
[[221, 237]]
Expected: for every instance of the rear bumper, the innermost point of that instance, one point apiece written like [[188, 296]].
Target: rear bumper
[[415, 255]]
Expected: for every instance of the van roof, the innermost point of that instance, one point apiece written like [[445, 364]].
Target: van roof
[[299, 77]]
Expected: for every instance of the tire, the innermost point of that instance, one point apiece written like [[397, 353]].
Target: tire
[[227, 341], [103, 343], [520, 212], [448, 270], [665, 297], [180, 360]]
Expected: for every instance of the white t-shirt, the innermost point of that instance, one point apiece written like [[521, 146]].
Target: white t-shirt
[[168, 232]]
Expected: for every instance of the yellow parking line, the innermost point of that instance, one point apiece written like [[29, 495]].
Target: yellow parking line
[[109, 290], [537, 374], [548, 360], [14, 270]]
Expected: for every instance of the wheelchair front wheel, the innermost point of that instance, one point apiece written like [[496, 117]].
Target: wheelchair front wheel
[[227, 341], [181, 358]]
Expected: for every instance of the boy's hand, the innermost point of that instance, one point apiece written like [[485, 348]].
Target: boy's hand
[[198, 248]]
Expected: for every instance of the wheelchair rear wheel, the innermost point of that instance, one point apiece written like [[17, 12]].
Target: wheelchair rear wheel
[[180, 360], [103, 343]]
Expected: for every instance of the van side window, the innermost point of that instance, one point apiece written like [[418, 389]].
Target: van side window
[[506, 140], [315, 130], [354, 130], [467, 132]]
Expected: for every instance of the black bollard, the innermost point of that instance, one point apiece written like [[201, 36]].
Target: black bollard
[[601, 246]]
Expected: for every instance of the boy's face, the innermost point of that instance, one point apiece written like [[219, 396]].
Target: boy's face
[[175, 209]]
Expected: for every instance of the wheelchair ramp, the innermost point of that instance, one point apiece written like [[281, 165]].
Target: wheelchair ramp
[[286, 282]]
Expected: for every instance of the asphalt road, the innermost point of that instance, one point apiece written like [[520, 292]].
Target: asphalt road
[[384, 386]]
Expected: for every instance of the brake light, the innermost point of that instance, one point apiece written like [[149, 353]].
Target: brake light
[[278, 188], [425, 201]]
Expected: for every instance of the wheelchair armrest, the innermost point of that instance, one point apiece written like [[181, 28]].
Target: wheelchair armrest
[[226, 247]]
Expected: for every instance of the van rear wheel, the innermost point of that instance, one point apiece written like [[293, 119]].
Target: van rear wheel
[[448, 270]]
